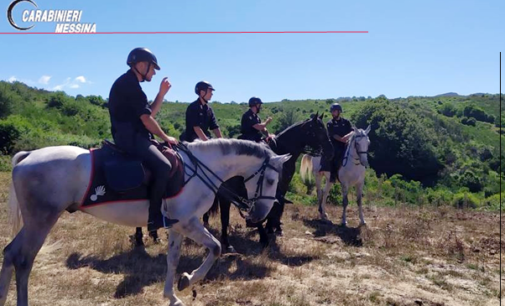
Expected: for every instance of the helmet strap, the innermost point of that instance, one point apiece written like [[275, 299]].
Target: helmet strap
[[143, 75]]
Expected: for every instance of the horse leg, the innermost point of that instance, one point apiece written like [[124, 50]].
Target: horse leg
[[173, 256], [274, 217], [20, 255], [10, 254], [345, 201], [317, 176], [206, 219], [154, 236], [138, 237], [199, 234], [322, 213], [359, 199], [225, 222], [263, 235]]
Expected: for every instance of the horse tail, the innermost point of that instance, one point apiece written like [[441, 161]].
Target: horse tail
[[14, 211], [306, 167]]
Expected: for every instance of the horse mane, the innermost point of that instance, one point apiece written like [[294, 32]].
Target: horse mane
[[233, 146], [294, 125]]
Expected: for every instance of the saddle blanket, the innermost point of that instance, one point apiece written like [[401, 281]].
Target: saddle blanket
[[118, 178]]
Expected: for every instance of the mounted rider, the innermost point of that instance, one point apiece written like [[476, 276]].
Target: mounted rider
[[133, 126], [339, 131], [200, 116], [251, 126]]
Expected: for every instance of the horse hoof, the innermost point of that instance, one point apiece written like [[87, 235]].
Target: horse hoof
[[279, 233], [183, 282], [176, 302], [229, 250]]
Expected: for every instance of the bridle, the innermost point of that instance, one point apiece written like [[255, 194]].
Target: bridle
[[347, 151], [243, 204]]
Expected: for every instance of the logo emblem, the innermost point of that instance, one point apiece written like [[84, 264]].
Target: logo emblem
[[99, 191], [9, 14]]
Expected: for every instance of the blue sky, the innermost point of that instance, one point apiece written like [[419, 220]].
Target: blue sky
[[412, 48]]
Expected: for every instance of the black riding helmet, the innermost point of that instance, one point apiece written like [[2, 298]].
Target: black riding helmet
[[254, 101], [142, 55], [336, 106], [202, 85]]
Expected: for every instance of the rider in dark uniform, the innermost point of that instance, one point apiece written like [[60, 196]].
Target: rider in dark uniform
[[250, 125], [339, 130], [133, 125], [200, 116]]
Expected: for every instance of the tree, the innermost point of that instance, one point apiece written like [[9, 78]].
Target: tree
[[8, 136], [399, 142], [288, 118], [447, 109]]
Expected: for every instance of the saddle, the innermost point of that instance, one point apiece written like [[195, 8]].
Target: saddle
[[117, 176]]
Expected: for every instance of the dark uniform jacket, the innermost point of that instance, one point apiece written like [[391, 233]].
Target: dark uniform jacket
[[127, 102], [249, 119], [200, 115], [340, 127]]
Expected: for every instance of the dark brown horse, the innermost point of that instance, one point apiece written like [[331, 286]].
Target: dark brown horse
[[293, 140]]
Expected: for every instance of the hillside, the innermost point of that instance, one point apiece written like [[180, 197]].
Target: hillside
[[405, 257], [440, 149]]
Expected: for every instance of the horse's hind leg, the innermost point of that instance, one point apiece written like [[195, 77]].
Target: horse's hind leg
[[359, 199], [225, 222], [324, 196], [10, 252], [138, 237], [200, 235], [20, 254], [345, 202], [206, 219]]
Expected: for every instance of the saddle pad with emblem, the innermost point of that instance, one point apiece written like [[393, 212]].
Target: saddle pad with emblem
[[115, 178]]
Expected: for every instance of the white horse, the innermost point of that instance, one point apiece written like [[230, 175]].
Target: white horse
[[352, 173], [48, 181]]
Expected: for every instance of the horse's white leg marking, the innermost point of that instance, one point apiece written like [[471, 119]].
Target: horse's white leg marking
[[199, 234], [174, 253]]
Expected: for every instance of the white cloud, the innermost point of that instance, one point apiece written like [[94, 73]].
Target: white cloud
[[44, 79], [73, 86], [80, 79], [58, 87], [12, 79]]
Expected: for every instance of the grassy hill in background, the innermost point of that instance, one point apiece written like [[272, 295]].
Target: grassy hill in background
[[438, 150]]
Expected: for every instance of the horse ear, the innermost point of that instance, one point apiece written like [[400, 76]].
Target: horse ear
[[368, 129], [321, 117], [315, 117], [279, 160]]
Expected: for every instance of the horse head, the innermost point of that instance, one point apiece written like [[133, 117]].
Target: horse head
[[362, 142], [315, 135]]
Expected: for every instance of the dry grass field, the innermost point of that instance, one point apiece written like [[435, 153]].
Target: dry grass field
[[404, 256]]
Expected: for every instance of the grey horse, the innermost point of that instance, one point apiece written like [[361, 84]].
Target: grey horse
[[352, 173], [48, 181]]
